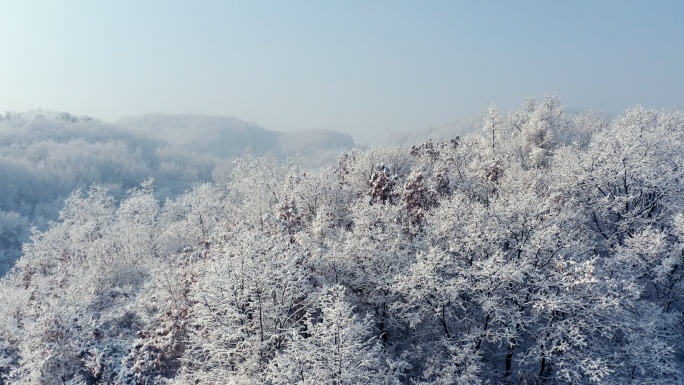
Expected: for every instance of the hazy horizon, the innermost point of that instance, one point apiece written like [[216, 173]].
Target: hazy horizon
[[365, 69]]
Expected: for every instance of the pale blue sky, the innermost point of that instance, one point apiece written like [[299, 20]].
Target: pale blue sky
[[362, 67]]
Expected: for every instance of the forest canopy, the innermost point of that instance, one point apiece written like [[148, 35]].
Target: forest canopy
[[545, 248]]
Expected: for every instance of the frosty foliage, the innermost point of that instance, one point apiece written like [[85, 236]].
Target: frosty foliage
[[546, 249]]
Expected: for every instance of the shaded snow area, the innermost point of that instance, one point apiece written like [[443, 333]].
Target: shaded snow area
[[545, 248]]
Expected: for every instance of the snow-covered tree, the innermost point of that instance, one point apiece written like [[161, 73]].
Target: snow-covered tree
[[332, 346], [245, 302]]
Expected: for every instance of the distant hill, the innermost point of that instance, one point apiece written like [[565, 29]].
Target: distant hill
[[212, 135], [225, 137]]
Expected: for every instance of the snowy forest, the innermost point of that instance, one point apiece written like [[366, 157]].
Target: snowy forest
[[543, 248], [44, 156]]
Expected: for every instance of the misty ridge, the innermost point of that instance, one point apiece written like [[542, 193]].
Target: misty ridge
[[45, 156]]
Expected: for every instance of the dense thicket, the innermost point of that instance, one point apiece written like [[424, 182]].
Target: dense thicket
[[45, 156], [546, 249]]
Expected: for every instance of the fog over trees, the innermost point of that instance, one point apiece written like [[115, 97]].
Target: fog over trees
[[545, 248], [44, 156]]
